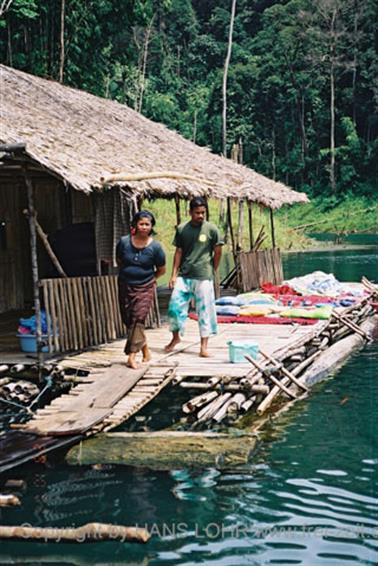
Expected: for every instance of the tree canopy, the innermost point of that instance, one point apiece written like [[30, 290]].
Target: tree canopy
[[302, 82]]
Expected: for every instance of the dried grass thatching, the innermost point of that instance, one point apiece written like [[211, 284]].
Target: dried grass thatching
[[81, 138]]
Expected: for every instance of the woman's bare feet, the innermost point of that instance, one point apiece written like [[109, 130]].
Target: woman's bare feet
[[131, 362], [173, 343], [146, 354]]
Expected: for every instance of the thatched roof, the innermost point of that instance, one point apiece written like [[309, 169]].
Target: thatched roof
[[81, 137]]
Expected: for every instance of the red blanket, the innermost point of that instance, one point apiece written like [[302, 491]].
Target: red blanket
[[223, 319]]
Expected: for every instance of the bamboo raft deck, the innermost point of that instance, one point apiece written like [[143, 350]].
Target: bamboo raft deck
[[112, 393], [106, 393]]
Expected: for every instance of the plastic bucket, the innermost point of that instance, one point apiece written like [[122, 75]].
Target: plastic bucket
[[237, 351], [28, 342]]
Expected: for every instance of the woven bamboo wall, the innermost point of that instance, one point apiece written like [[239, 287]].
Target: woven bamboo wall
[[260, 267], [83, 312]]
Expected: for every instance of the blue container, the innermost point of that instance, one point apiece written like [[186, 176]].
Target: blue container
[[28, 342], [237, 351]]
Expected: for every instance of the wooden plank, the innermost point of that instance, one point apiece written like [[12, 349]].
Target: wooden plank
[[54, 321], [67, 422], [72, 315]]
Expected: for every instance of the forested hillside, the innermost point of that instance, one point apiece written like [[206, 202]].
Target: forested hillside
[[302, 84]]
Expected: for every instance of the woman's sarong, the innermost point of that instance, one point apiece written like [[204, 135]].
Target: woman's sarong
[[135, 303]]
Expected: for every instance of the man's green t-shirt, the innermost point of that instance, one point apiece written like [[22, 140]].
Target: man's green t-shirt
[[197, 244]]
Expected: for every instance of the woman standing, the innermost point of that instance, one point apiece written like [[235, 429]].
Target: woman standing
[[141, 260]]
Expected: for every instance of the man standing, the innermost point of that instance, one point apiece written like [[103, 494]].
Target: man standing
[[198, 252]]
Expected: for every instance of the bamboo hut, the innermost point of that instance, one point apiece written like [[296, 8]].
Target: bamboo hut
[[75, 167]]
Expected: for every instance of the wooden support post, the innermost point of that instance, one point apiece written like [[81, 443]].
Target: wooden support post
[[250, 224], [272, 228], [239, 244], [34, 264], [231, 228], [178, 212]]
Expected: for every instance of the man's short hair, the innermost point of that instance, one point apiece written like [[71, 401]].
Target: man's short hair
[[196, 202]]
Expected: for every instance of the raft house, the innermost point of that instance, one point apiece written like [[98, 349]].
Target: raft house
[[74, 168]]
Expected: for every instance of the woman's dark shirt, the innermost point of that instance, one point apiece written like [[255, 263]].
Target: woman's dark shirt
[[138, 265]]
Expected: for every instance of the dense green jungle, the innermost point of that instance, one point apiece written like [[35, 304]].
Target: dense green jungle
[[301, 85]]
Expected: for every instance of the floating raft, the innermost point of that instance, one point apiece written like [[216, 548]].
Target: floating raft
[[218, 391]]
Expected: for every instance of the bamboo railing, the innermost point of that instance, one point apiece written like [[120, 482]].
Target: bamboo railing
[[83, 312], [257, 267]]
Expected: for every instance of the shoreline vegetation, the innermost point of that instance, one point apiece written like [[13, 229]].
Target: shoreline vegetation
[[293, 226]]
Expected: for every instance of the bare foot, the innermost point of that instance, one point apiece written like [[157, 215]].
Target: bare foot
[[131, 362], [205, 354], [171, 346], [146, 354]]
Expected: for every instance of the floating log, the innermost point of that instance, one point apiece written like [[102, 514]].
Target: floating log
[[164, 450], [322, 362], [335, 354], [199, 401], [223, 411], [9, 501], [91, 532], [207, 412], [243, 385]]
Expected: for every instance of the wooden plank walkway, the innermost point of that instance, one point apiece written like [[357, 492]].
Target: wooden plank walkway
[[112, 393]]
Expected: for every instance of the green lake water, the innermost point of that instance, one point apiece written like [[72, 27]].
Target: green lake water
[[309, 495]]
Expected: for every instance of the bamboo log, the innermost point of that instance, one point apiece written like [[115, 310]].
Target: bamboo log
[[9, 501], [142, 176], [284, 370], [48, 248], [228, 387], [351, 325], [276, 381], [235, 403], [199, 401], [87, 533], [222, 413], [3, 368], [207, 412], [248, 404]]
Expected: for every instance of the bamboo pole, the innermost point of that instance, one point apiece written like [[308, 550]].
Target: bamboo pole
[[34, 263], [272, 228], [48, 248], [231, 228], [271, 377], [284, 370], [87, 533], [250, 224], [351, 325], [178, 211]]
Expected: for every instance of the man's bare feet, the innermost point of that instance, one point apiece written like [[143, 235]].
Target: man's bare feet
[[204, 354], [172, 344]]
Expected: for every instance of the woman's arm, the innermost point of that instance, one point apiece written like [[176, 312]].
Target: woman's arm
[[160, 271]]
